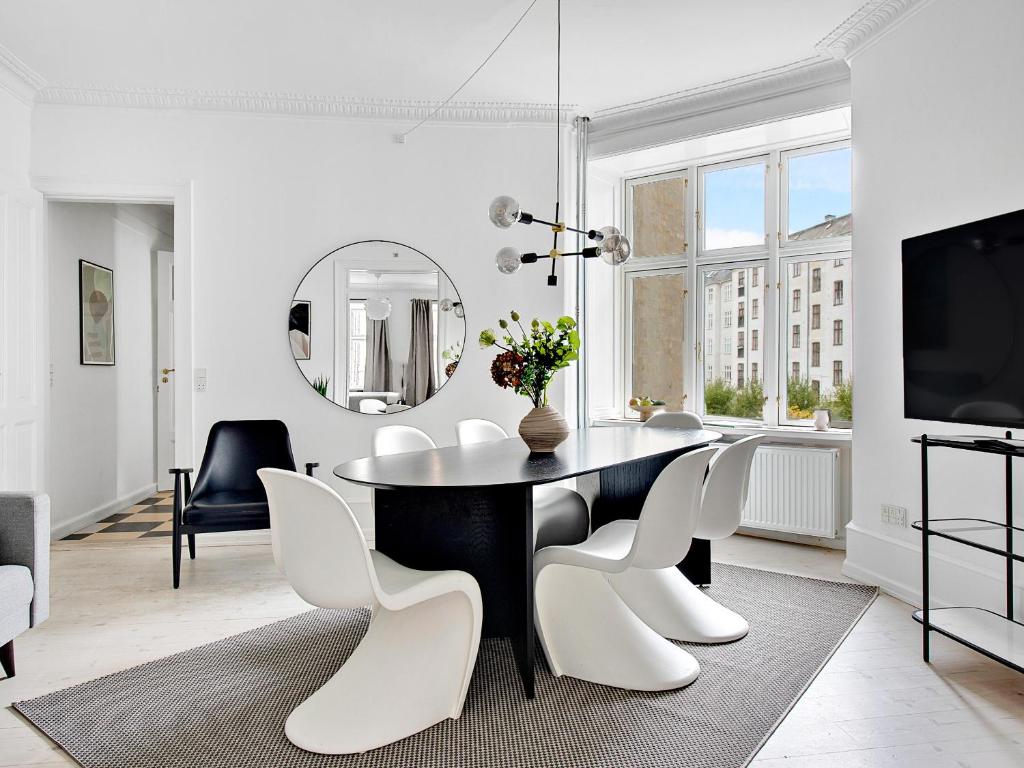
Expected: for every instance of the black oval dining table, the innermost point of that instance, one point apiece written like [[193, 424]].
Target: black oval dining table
[[470, 508]]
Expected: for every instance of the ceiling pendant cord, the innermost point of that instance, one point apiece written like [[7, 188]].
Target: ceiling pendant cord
[[552, 278]]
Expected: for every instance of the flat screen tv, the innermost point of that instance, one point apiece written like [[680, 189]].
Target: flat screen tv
[[963, 323]]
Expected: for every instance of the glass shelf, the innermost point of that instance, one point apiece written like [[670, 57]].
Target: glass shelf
[[988, 444], [975, 532], [986, 632]]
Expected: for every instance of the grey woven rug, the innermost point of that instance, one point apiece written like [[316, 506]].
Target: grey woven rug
[[223, 705]]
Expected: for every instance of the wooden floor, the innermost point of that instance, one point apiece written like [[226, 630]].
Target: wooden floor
[[875, 704]]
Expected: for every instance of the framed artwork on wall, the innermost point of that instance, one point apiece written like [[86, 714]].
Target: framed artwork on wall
[[96, 314], [298, 329]]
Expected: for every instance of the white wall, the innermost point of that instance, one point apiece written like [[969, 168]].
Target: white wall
[[937, 142], [15, 133], [272, 195], [102, 442]]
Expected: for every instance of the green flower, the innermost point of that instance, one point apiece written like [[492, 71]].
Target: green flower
[[487, 338], [515, 316], [503, 323]]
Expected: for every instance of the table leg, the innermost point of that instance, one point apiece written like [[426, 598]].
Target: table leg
[[623, 490], [487, 532]]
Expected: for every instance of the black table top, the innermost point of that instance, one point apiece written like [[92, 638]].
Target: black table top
[[509, 462]]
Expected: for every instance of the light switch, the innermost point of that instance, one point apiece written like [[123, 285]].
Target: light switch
[[200, 379]]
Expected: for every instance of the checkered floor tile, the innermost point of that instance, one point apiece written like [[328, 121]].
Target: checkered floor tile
[[150, 518]]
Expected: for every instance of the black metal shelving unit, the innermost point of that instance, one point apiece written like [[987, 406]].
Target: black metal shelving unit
[[997, 636]]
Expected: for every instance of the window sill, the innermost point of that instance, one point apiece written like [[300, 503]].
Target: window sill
[[775, 434]]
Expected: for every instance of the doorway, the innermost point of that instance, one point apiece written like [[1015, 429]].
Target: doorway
[[112, 393]]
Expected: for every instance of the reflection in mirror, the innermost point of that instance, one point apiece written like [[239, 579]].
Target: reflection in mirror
[[376, 327]]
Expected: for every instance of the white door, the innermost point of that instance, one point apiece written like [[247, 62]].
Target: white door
[[22, 339], [165, 375]]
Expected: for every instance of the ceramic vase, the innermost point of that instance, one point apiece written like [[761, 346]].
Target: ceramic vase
[[543, 429]]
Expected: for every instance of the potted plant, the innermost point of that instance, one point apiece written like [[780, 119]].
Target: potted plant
[[527, 364]]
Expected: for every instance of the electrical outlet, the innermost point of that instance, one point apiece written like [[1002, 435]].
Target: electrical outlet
[[894, 515], [200, 379]]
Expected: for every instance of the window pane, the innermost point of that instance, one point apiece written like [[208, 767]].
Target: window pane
[[659, 216], [728, 390], [819, 195], [733, 215], [658, 315], [820, 357]]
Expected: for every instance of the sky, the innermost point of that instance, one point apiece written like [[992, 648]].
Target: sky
[[819, 184]]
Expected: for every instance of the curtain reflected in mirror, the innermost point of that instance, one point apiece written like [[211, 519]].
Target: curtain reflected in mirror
[[376, 327]]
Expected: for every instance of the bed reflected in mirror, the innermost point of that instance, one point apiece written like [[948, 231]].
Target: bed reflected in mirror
[[376, 327]]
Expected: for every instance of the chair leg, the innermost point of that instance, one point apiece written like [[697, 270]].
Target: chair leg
[[674, 608], [192, 546], [7, 658], [176, 557], [409, 672], [588, 632]]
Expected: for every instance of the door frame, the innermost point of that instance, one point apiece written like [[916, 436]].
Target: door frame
[[66, 190]]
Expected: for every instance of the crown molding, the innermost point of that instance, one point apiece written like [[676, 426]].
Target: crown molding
[[17, 77], [255, 102], [794, 78], [867, 25]]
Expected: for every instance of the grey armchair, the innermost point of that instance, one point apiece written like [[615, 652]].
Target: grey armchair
[[24, 568]]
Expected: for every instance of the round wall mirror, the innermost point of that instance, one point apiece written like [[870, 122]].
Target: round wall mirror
[[376, 327]]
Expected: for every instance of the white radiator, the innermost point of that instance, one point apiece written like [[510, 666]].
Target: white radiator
[[794, 490]]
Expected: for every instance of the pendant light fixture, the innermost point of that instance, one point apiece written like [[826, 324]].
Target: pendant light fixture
[[378, 307], [611, 245]]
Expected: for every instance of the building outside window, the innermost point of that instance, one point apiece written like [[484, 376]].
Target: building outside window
[[727, 319], [815, 354], [755, 277], [837, 333], [357, 344], [795, 372], [754, 336], [796, 337], [741, 284], [837, 293], [741, 316], [815, 317], [796, 299], [754, 307], [816, 279], [837, 373], [739, 375], [740, 345], [753, 373]]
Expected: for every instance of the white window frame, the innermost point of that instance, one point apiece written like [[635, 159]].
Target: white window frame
[[702, 172], [821, 245], [669, 259]]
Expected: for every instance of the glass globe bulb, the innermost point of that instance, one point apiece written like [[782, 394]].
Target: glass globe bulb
[[508, 260], [460, 311], [446, 304], [504, 211], [615, 247], [378, 308]]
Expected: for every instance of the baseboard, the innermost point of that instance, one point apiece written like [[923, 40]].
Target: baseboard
[[953, 581], [77, 523]]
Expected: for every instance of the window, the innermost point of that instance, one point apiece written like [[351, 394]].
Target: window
[[837, 263], [753, 308], [753, 341], [817, 194], [795, 372], [711, 322], [709, 371], [356, 344], [727, 293], [741, 313], [753, 373], [796, 337], [727, 370], [727, 319], [732, 213], [727, 345], [740, 345], [755, 277], [837, 373], [796, 299], [821, 352], [815, 280], [837, 293], [659, 216], [658, 315], [739, 375], [741, 284], [796, 269]]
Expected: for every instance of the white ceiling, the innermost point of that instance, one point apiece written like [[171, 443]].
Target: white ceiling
[[615, 51]]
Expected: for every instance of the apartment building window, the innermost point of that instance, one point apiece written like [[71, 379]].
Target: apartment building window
[[837, 373], [798, 192], [356, 343], [837, 333], [837, 293]]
